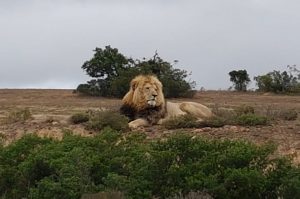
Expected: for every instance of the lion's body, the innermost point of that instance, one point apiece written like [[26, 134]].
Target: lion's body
[[145, 105]]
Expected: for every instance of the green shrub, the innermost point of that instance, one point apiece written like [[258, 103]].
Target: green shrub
[[21, 115], [35, 167], [102, 119], [183, 121], [192, 195], [214, 122], [189, 121], [251, 120], [79, 118]]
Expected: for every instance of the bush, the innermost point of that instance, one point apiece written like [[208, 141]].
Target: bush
[[102, 119], [35, 167], [79, 118], [214, 122], [251, 120], [189, 121], [183, 121]]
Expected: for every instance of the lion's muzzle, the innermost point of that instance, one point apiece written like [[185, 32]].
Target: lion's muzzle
[[152, 101]]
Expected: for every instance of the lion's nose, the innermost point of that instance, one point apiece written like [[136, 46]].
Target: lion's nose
[[154, 95]]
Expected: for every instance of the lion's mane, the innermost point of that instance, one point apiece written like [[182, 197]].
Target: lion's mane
[[135, 102]]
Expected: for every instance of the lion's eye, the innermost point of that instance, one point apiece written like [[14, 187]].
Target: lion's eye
[[147, 88]]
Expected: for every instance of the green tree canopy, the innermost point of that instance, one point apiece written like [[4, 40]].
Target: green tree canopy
[[240, 79], [112, 72], [280, 82], [106, 63]]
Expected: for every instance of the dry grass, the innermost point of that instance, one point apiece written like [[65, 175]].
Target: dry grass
[[18, 116], [51, 111]]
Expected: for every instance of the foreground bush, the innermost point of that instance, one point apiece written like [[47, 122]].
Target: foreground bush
[[43, 168]]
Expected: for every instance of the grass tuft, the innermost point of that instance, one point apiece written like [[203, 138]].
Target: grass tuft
[[21, 115]]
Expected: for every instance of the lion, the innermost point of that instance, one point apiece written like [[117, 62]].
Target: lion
[[145, 105]]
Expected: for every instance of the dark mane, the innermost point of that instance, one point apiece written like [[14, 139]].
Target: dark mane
[[151, 114]]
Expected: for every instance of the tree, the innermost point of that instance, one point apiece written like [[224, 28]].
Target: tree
[[112, 72], [240, 79], [279, 82], [172, 79], [106, 63]]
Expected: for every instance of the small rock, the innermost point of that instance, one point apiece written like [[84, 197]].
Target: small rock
[[227, 127], [206, 129], [234, 129], [198, 131], [296, 145]]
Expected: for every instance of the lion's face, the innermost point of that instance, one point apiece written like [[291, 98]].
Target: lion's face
[[145, 91], [150, 92]]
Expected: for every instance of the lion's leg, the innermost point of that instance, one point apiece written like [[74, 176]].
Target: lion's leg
[[196, 109], [138, 123], [161, 121]]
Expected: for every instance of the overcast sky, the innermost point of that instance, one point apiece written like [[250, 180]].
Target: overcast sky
[[43, 43]]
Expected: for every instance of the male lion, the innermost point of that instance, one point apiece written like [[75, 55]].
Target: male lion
[[145, 104]]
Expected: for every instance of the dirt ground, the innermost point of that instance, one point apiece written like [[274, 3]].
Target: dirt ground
[[51, 110]]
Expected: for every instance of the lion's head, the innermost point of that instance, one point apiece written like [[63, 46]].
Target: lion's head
[[145, 92]]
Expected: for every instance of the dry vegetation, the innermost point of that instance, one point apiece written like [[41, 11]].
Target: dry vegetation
[[48, 113]]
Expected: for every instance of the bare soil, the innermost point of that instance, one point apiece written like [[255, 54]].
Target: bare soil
[[51, 110]]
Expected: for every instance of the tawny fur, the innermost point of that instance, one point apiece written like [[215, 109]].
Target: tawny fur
[[145, 105]]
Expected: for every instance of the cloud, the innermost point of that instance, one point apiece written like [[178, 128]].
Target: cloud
[[48, 41]]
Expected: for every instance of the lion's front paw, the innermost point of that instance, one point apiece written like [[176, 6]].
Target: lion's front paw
[[135, 124]]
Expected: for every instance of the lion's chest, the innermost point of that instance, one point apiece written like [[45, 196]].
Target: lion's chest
[[152, 114]]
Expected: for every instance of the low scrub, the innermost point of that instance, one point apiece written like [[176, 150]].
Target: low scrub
[[34, 167], [244, 109], [189, 121], [250, 120], [102, 119], [79, 118], [20, 115], [279, 113], [99, 120], [288, 115], [183, 121]]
